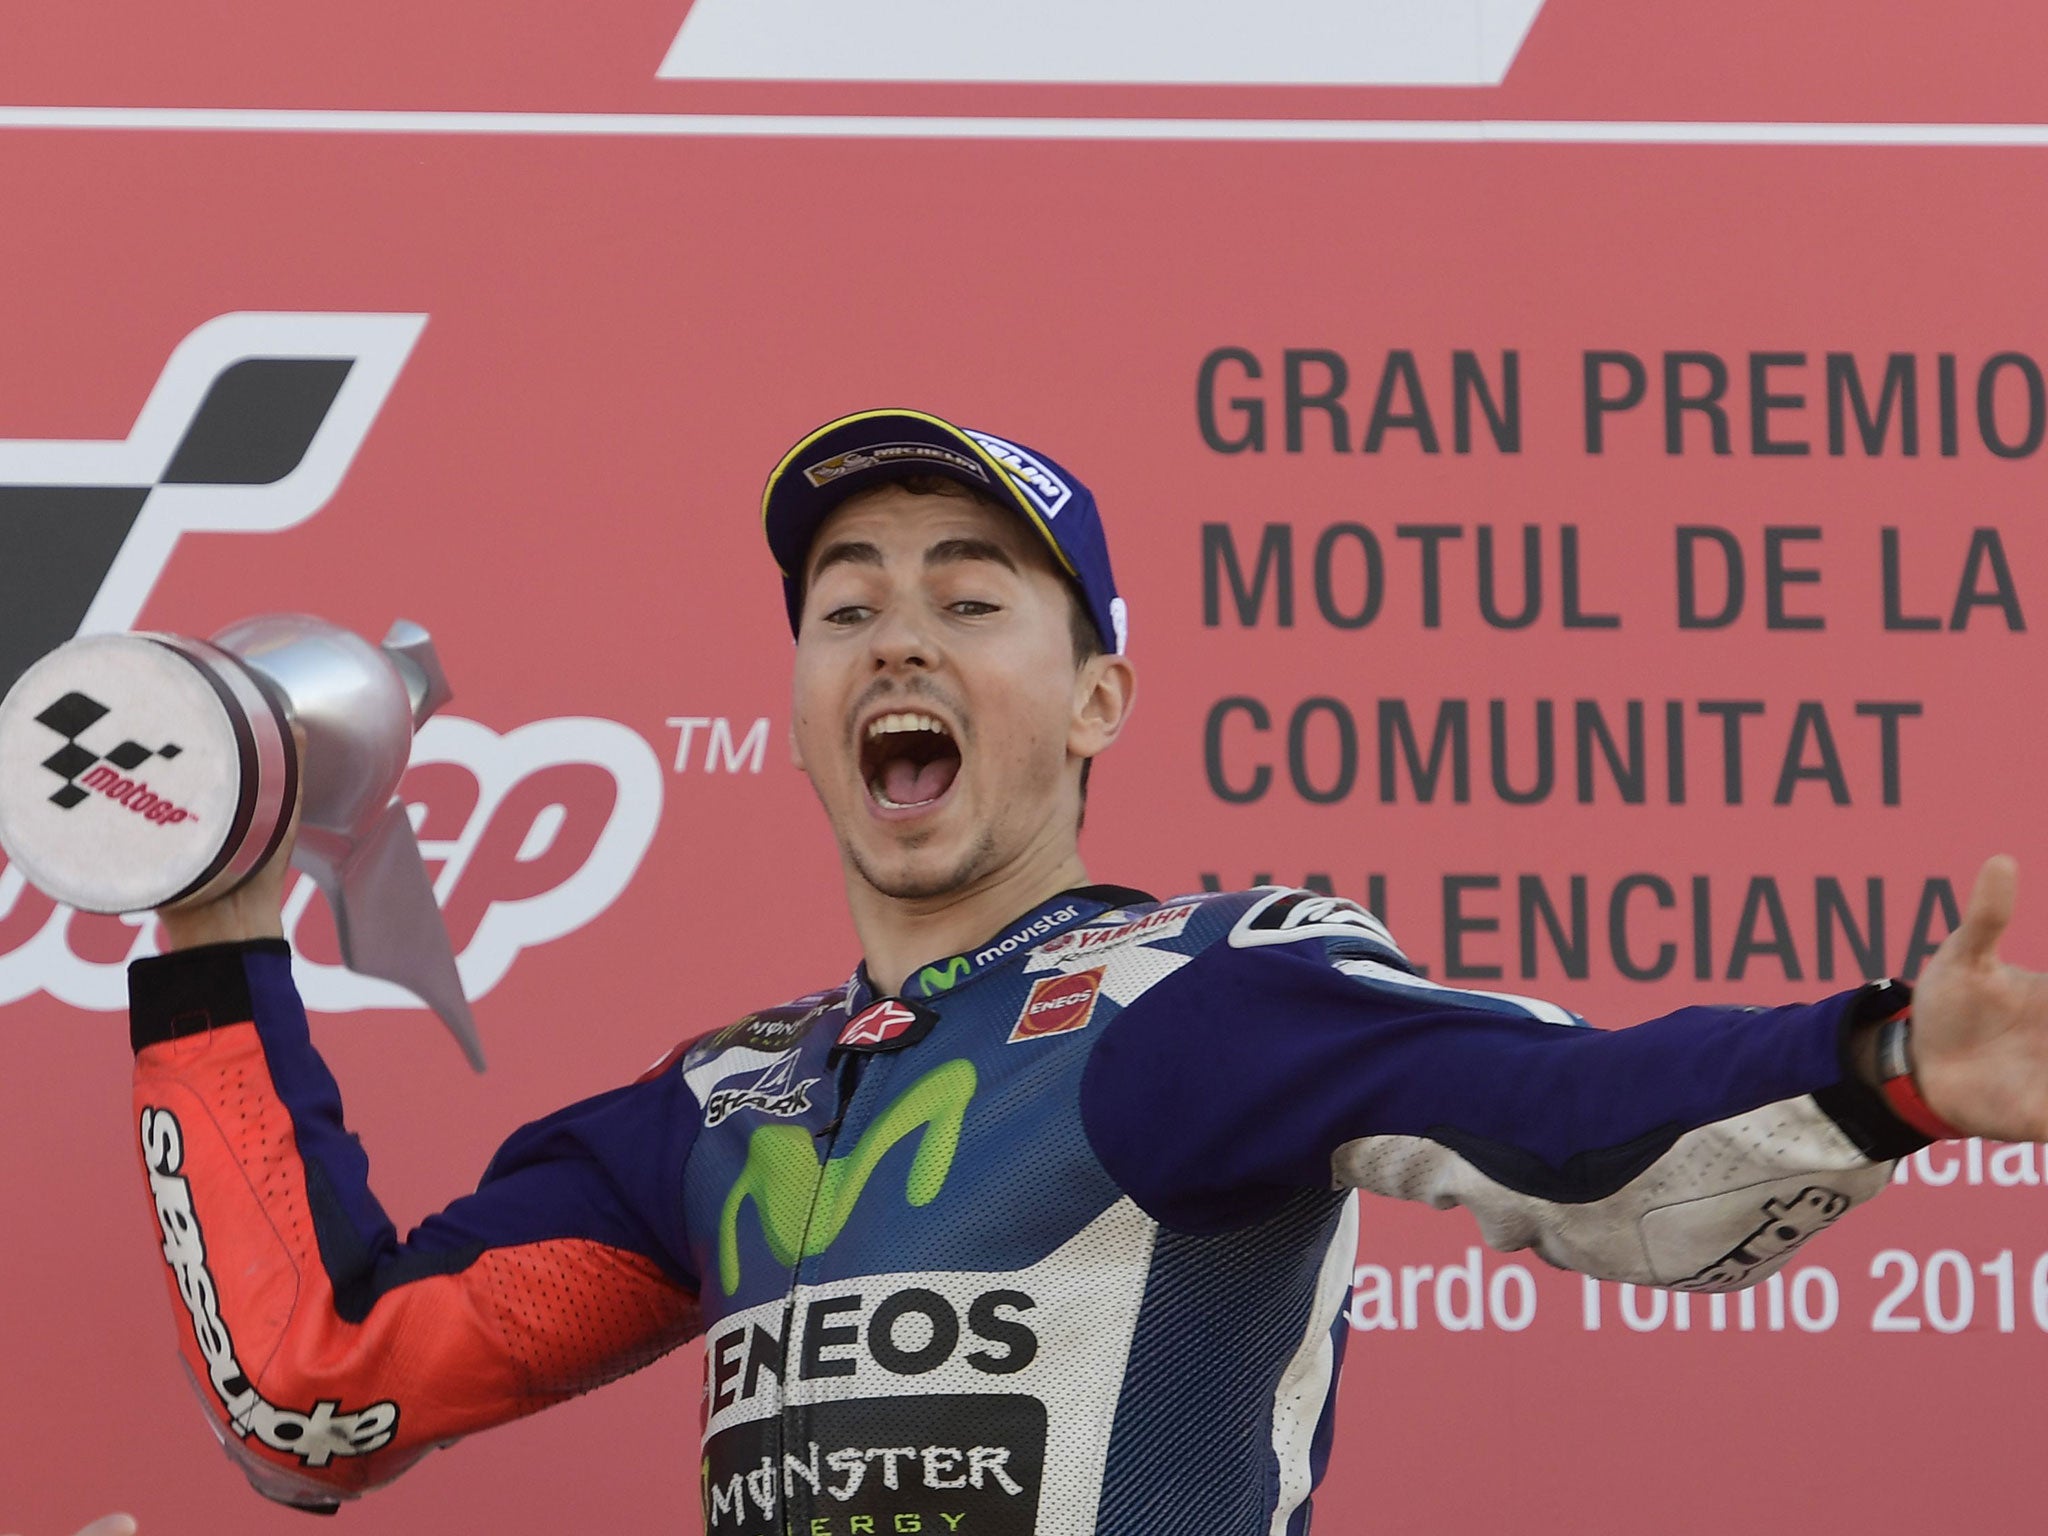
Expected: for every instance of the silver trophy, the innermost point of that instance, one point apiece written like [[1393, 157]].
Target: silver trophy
[[139, 770]]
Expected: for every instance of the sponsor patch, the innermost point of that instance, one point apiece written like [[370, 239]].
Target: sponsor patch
[[773, 1028], [967, 1463], [1047, 491], [1058, 1005], [316, 1435], [840, 465], [771, 1089], [1786, 1224], [1286, 917], [888, 1025], [1162, 923]]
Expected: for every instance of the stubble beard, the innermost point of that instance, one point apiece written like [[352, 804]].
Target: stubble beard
[[976, 861]]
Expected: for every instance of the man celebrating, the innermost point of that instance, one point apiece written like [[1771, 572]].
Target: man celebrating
[[1042, 1221]]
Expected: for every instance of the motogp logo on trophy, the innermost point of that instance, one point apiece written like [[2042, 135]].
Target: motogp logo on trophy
[[251, 427], [71, 717]]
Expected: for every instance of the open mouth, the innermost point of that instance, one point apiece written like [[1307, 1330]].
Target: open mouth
[[908, 760]]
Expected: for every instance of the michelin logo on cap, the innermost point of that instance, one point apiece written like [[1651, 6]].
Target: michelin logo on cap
[[825, 471], [1048, 492]]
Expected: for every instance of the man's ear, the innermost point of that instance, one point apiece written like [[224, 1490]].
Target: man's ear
[[1104, 690]]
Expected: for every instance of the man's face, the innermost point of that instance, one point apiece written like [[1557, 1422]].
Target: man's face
[[936, 695]]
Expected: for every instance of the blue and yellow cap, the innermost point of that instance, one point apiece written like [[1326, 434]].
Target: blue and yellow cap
[[870, 447]]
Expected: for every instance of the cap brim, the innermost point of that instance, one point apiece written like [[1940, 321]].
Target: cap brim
[[847, 456]]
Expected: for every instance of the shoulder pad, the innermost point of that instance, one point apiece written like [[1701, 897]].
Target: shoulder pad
[[1284, 916]]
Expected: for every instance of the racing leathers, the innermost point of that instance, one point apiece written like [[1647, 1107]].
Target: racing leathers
[[1056, 1240]]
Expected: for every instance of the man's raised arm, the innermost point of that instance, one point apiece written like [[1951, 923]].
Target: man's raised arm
[[329, 1354]]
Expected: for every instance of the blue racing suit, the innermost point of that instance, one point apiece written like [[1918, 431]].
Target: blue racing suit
[[1057, 1240]]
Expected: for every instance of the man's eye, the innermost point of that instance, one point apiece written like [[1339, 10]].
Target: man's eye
[[972, 607], [845, 613]]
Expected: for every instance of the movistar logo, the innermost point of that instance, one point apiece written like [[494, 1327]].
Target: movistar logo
[[803, 1206], [943, 978]]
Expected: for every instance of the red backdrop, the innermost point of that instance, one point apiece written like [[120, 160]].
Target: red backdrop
[[623, 331]]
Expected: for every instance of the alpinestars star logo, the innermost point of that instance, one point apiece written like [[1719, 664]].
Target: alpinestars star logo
[[250, 428], [71, 717]]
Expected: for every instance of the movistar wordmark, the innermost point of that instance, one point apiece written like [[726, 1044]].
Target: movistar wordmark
[[944, 975], [803, 1206]]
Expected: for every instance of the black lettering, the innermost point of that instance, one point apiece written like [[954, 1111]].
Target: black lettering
[[1532, 580], [1568, 943], [1373, 569], [1866, 943], [1986, 553], [1299, 399], [1503, 420], [1430, 536], [1297, 751], [1763, 904], [1589, 728], [1599, 404], [1449, 745], [1617, 927], [1778, 576], [1546, 753], [1674, 751], [1457, 924], [1731, 712], [1568, 577], [1220, 563], [1811, 722], [1888, 716], [1250, 409], [929, 1356], [1895, 615], [1937, 903], [1762, 402], [1678, 402], [1987, 406], [1702, 928], [1400, 374], [725, 1368], [818, 1338], [1690, 614], [1901, 391], [1212, 751], [1945, 388], [764, 1353], [1019, 1342]]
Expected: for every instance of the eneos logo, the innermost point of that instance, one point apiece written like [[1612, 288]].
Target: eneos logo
[[1058, 1005], [251, 428]]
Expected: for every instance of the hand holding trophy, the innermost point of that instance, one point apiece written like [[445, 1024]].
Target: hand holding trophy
[[145, 771]]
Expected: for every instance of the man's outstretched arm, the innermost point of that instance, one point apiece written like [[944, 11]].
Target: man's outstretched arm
[[331, 1355], [1699, 1149]]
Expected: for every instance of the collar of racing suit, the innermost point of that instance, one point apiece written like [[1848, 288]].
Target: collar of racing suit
[[1077, 904]]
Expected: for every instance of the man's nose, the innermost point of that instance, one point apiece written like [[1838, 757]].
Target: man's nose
[[902, 637]]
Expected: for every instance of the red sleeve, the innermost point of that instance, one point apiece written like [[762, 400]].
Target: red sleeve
[[330, 1354]]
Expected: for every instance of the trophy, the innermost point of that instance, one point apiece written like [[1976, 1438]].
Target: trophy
[[139, 770]]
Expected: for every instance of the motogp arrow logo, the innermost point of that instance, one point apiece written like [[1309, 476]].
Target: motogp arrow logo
[[249, 429]]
